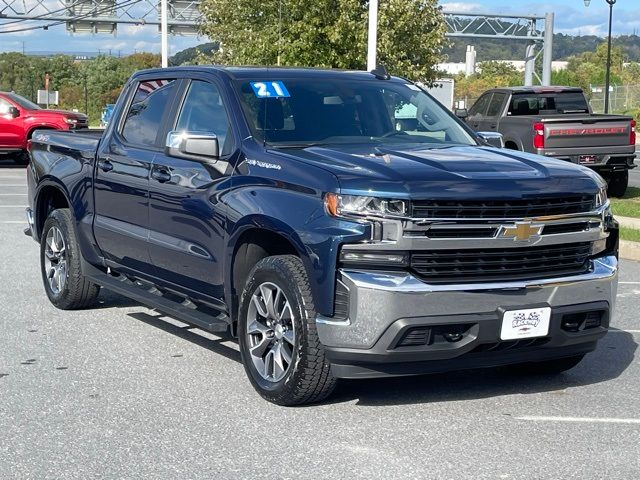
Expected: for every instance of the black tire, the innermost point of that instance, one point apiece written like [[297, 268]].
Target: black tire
[[76, 292], [308, 378], [21, 158], [618, 182], [548, 367]]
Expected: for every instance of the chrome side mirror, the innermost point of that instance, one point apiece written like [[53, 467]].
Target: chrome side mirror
[[192, 145], [493, 139]]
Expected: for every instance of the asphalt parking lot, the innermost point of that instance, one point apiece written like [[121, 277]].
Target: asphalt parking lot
[[121, 392]]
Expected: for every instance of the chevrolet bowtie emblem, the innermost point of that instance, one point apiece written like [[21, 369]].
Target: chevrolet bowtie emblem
[[521, 231]]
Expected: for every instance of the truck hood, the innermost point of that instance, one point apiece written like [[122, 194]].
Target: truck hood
[[453, 172], [66, 113]]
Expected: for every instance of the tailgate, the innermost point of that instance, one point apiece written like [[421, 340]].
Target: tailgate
[[601, 132]]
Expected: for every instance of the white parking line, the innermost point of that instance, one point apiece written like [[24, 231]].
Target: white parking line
[[13, 221], [581, 419], [13, 185], [624, 331], [629, 283], [14, 206], [12, 194]]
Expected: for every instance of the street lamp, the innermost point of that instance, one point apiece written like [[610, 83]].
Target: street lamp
[[608, 75]]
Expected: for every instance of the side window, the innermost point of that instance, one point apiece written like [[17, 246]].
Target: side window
[[480, 107], [145, 114], [495, 106], [4, 107], [203, 111]]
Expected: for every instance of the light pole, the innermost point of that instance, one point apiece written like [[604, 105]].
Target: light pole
[[608, 74]]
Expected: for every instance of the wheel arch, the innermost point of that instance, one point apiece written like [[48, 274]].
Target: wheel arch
[[50, 196]]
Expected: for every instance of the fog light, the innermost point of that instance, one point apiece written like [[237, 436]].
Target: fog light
[[453, 337]]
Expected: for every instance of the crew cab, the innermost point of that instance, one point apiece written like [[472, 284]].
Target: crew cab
[[341, 224], [558, 122], [19, 118]]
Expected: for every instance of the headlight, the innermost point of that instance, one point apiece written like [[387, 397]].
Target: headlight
[[601, 197], [356, 205], [71, 121]]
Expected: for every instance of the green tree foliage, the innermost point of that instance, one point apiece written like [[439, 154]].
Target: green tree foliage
[[490, 75], [85, 85], [326, 33]]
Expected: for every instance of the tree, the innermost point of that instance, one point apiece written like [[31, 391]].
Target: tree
[[326, 33], [490, 75]]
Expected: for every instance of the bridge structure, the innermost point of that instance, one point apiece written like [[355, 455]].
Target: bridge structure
[[182, 17]]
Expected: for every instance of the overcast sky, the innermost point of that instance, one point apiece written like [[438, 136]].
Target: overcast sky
[[571, 17]]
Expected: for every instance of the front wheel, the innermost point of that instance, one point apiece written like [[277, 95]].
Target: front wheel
[[279, 344], [66, 286]]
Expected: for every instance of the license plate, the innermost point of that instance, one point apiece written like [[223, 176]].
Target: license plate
[[529, 323], [587, 159]]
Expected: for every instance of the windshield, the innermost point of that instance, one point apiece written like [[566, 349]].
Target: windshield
[[302, 112], [23, 102]]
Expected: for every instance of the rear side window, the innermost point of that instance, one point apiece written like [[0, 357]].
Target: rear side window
[[146, 112], [495, 107]]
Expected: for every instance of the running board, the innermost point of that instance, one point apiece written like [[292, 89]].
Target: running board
[[181, 311]]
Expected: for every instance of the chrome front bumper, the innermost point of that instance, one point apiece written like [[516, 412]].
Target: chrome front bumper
[[379, 300]]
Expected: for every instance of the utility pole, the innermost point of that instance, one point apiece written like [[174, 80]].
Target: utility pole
[[164, 40], [372, 40]]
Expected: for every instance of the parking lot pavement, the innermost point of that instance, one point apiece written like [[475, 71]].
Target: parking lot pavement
[[120, 392]]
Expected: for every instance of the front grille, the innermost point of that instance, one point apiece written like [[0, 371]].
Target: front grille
[[479, 209], [474, 265]]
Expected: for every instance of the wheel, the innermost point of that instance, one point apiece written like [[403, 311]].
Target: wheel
[[21, 158], [66, 286], [618, 182], [279, 344], [548, 367]]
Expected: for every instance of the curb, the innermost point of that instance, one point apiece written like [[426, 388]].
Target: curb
[[630, 250], [628, 222]]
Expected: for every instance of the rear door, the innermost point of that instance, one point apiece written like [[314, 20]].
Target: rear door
[[122, 175], [11, 129], [187, 215]]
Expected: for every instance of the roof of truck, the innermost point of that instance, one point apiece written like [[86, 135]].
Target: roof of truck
[[253, 72], [553, 89]]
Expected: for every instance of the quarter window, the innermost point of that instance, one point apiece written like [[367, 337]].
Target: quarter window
[[143, 120]]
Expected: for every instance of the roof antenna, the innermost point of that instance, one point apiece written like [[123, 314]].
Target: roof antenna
[[380, 73]]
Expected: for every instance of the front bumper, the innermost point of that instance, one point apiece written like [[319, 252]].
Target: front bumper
[[384, 306]]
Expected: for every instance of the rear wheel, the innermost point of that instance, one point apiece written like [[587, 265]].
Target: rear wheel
[[66, 286], [548, 367], [618, 182], [281, 352]]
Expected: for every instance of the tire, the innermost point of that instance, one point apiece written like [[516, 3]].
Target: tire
[[618, 182], [66, 286], [22, 159], [549, 367], [292, 334]]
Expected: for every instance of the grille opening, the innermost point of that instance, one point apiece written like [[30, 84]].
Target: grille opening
[[474, 265], [415, 337], [502, 208], [341, 302], [576, 322]]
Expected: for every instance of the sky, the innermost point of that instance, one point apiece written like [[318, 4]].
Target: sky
[[571, 17]]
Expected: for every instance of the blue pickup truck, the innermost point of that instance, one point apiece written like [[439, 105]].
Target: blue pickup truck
[[341, 224]]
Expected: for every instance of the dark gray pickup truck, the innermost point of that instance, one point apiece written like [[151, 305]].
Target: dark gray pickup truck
[[558, 122]]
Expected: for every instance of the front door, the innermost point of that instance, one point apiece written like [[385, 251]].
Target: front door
[[11, 128], [187, 213], [121, 223]]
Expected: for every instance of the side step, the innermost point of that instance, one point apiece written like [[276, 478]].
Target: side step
[[151, 298]]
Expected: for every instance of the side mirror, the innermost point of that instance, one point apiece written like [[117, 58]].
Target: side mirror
[[493, 139], [14, 112], [462, 113], [192, 145]]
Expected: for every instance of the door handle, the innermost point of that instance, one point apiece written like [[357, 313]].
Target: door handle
[[162, 175], [105, 165]]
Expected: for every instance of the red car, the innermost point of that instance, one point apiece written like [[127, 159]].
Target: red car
[[19, 118]]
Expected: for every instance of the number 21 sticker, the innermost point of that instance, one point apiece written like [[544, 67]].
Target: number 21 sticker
[[270, 89]]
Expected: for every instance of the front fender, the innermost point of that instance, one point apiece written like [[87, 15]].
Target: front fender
[[300, 218]]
